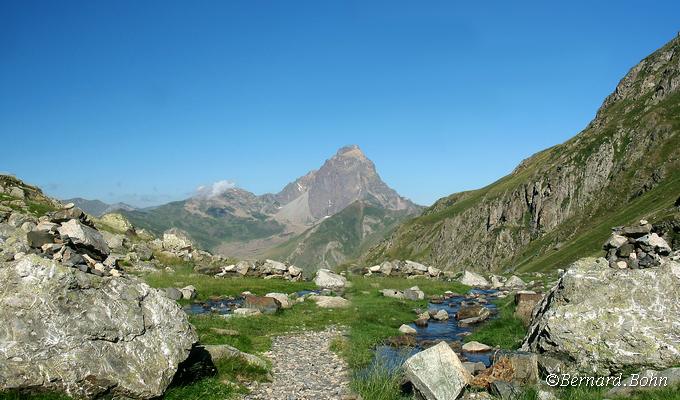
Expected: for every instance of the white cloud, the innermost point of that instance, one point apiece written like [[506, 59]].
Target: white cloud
[[215, 189]]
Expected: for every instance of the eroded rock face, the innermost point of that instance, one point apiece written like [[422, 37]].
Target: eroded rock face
[[86, 335], [607, 320]]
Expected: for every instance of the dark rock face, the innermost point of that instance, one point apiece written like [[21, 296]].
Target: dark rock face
[[87, 335]]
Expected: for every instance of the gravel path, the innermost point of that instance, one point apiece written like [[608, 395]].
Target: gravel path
[[304, 368]]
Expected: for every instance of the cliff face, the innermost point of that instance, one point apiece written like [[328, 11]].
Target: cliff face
[[561, 202]]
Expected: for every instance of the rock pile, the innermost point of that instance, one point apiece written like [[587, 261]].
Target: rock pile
[[407, 269], [267, 269], [71, 238], [635, 247]]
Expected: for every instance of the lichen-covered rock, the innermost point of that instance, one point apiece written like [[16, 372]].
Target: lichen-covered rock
[[607, 320], [85, 335]]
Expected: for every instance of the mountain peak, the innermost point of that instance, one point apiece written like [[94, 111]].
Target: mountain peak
[[352, 150]]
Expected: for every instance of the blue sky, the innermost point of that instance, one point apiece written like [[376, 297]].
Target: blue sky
[[144, 101]]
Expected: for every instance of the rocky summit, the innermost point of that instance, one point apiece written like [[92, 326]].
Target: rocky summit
[[345, 195]]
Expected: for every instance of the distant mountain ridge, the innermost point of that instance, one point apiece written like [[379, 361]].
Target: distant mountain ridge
[[98, 207], [559, 204], [238, 223]]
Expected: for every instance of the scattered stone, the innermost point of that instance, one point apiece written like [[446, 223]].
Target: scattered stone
[[330, 301], [266, 305], [470, 278], [188, 292], [392, 293], [414, 293], [515, 282], [329, 280], [441, 315], [222, 351], [282, 298], [505, 390], [247, 312], [84, 237], [437, 373], [173, 293], [408, 330], [476, 347]]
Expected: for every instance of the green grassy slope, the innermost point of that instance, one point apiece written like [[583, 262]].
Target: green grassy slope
[[207, 231], [341, 237]]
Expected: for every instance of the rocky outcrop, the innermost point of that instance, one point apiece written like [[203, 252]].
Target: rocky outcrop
[[406, 269], [266, 269], [602, 320], [87, 335], [623, 165]]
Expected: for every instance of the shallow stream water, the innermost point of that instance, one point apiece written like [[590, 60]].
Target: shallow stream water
[[391, 358]]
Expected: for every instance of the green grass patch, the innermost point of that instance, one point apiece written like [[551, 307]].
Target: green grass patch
[[506, 331]]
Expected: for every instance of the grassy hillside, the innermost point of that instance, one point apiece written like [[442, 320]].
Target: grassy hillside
[[208, 231], [341, 237]]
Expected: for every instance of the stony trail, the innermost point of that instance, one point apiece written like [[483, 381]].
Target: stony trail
[[304, 368]]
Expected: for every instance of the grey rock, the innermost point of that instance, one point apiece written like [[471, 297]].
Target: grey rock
[[85, 335], [437, 373], [609, 320], [85, 237], [414, 293], [222, 351], [392, 293], [173, 293], [329, 280], [470, 278]]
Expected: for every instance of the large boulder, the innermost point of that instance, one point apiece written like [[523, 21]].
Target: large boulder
[[329, 280], [85, 238], [437, 373], [176, 239], [117, 221], [88, 336], [607, 320], [470, 278]]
